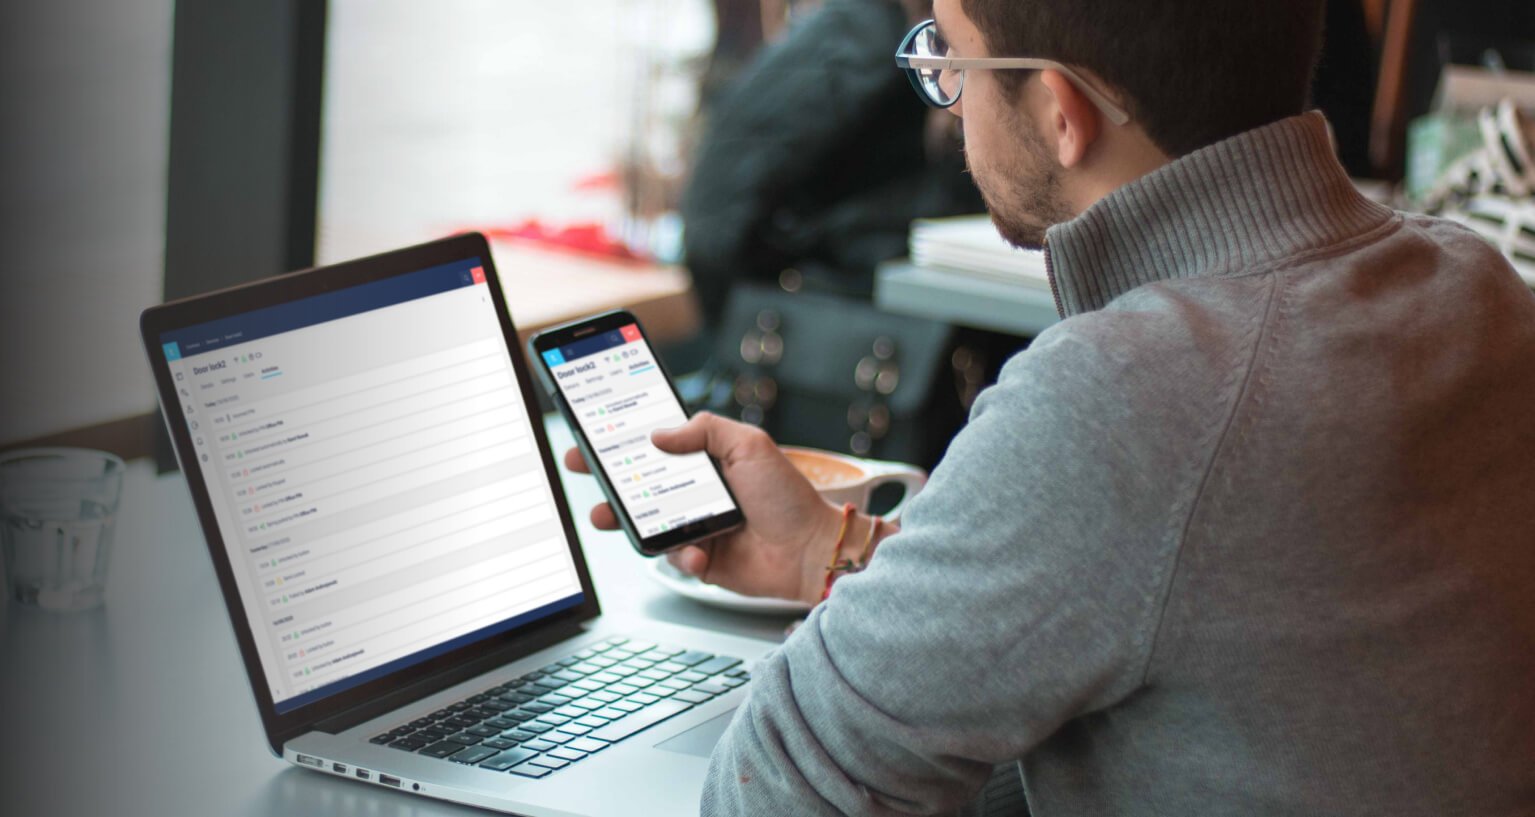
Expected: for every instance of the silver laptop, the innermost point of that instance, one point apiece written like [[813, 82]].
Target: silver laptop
[[397, 557]]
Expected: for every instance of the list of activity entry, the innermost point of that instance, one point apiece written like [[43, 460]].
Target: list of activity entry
[[376, 483]]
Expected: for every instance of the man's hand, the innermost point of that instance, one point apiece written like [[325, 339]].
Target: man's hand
[[790, 531]]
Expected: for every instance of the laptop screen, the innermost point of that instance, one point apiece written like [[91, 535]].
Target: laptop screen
[[373, 472]]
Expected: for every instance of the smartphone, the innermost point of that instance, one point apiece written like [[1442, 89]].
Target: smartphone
[[613, 391]]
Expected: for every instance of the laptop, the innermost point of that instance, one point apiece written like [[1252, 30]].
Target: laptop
[[397, 557]]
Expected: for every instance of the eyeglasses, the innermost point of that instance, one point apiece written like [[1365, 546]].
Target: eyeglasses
[[939, 78]]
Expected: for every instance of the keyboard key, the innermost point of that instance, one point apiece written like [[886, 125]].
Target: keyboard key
[[551, 669], [602, 661], [507, 759], [644, 719], [535, 727], [485, 731], [650, 674], [606, 697], [692, 677], [715, 665], [539, 745], [517, 697], [584, 654], [442, 749], [605, 678], [421, 723], [556, 736], [587, 745], [519, 735], [575, 710], [616, 640], [692, 657], [501, 724], [529, 770], [738, 672], [464, 739], [732, 682], [566, 675], [473, 755], [711, 688], [673, 683], [583, 668], [549, 762], [571, 729], [499, 743], [585, 705], [382, 739], [643, 698], [408, 744], [622, 670], [627, 706], [588, 684], [624, 689], [692, 696], [609, 713], [567, 662], [592, 721], [567, 754], [536, 707]]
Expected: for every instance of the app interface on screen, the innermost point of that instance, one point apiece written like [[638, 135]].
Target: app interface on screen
[[374, 475], [619, 396]]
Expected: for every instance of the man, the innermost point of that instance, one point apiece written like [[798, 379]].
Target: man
[[1246, 533]]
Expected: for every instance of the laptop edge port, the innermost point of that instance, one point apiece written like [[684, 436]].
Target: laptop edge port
[[311, 761], [363, 774], [389, 780], [338, 768]]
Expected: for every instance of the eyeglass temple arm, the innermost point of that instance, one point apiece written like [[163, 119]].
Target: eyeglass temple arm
[[1110, 108]]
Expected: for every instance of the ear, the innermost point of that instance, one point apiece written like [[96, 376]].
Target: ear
[[1074, 121]]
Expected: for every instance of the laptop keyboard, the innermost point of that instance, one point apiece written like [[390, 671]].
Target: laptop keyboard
[[561, 714]]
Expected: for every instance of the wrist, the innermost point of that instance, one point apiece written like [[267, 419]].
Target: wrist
[[819, 551]]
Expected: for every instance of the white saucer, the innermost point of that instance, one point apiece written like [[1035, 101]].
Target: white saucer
[[662, 572]]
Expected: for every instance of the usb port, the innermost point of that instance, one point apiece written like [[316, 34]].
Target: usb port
[[338, 768], [388, 780], [364, 774], [311, 761]]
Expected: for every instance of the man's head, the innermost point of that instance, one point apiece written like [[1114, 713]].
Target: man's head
[[1190, 73]]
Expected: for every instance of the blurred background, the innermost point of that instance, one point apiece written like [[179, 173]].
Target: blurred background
[[736, 171]]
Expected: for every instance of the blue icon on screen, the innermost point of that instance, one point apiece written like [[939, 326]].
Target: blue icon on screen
[[553, 357], [172, 351]]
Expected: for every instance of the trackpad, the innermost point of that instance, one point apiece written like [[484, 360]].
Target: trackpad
[[700, 739]]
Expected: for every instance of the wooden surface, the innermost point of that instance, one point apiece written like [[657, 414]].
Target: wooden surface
[[545, 288]]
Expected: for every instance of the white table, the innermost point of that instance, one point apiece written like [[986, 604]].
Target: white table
[[142, 707]]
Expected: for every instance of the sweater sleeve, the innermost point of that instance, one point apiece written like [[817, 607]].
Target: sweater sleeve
[[1023, 590]]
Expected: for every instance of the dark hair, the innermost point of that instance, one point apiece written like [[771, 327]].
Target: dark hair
[[1191, 72]]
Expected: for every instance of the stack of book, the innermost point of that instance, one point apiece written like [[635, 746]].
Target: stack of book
[[971, 246]]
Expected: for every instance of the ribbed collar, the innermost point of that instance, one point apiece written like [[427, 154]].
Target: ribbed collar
[[1250, 200]]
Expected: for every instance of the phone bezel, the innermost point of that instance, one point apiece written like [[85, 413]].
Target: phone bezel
[[587, 327]]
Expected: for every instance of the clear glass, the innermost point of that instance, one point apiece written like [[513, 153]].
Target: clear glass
[[58, 507], [941, 85]]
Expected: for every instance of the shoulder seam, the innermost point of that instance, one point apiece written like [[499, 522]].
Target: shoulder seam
[[1242, 392]]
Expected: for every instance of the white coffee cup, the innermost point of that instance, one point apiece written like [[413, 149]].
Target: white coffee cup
[[842, 478]]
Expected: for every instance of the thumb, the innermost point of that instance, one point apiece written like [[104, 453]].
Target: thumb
[[705, 432]]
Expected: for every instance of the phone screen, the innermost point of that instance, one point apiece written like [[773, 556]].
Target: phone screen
[[617, 393]]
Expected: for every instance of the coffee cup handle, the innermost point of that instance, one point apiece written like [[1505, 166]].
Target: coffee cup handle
[[911, 477]]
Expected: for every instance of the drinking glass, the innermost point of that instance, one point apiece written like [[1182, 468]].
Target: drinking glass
[[57, 510]]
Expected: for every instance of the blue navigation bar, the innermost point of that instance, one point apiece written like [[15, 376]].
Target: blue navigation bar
[[275, 320]]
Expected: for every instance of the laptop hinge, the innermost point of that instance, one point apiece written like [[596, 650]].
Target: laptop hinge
[[409, 693]]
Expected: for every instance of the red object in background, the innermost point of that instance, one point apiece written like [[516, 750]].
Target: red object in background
[[478, 273], [631, 333], [585, 239]]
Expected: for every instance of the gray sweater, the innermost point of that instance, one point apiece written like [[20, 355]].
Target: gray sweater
[[1249, 532]]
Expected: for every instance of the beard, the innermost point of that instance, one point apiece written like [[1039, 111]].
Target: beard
[[1023, 192]]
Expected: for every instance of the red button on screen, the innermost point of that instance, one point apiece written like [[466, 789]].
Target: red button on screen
[[479, 274], [631, 333]]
